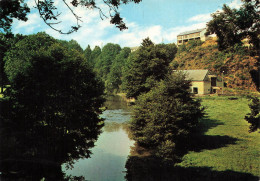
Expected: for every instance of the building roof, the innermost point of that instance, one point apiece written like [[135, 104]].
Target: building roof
[[192, 31], [195, 75]]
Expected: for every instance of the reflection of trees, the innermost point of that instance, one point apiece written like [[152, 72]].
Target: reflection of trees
[[114, 126], [115, 102]]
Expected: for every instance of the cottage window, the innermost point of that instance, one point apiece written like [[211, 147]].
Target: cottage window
[[213, 81], [195, 90]]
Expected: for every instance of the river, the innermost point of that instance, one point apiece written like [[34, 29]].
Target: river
[[112, 147]]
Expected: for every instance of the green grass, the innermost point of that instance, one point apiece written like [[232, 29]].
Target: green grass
[[226, 144]]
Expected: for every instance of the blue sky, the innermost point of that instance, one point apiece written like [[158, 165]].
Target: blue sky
[[161, 20]]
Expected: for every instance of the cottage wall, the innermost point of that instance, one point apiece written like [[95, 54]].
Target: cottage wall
[[207, 87], [199, 85]]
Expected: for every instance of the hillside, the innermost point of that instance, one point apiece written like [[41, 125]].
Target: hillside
[[238, 66]]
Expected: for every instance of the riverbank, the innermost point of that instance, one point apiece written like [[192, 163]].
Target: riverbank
[[128, 100]]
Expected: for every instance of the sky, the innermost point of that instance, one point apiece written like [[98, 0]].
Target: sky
[[160, 20]]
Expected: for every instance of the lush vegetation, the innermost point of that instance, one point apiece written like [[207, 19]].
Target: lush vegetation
[[222, 149], [166, 117], [108, 64], [234, 25], [148, 65], [50, 111], [240, 69]]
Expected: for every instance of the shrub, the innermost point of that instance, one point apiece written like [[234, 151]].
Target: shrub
[[254, 116], [165, 118]]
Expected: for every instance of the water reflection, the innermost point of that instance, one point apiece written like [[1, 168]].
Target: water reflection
[[36, 154], [112, 148]]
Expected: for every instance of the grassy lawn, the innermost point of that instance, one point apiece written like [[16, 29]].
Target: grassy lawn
[[226, 144]]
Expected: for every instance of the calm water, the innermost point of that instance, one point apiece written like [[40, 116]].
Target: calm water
[[107, 162]]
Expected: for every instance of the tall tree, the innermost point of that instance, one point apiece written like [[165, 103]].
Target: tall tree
[[114, 79], [105, 59], [148, 65], [233, 25], [95, 54], [87, 54], [51, 111], [165, 118]]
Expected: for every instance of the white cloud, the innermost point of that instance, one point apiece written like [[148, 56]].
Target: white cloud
[[235, 4], [30, 25], [200, 18]]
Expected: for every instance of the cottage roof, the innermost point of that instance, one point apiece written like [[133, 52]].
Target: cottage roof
[[195, 75], [192, 31]]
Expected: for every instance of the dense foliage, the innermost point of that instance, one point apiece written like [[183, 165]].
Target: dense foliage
[[114, 78], [11, 9], [50, 114], [165, 118], [240, 68], [254, 116], [147, 65], [5, 44], [105, 60], [233, 25]]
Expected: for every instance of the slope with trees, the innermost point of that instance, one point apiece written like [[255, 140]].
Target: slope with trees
[[238, 65], [233, 25]]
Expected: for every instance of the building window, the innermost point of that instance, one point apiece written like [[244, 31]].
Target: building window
[[213, 81], [180, 41], [195, 90]]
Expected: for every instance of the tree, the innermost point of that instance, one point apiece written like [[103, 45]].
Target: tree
[[5, 45], [12, 9], [72, 44], [114, 78], [147, 65], [3, 49], [233, 25], [166, 117], [105, 59], [254, 116], [87, 54], [48, 12], [51, 111], [95, 54], [171, 50]]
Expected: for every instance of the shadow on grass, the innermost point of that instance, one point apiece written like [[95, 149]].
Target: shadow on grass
[[150, 168], [200, 141]]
